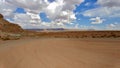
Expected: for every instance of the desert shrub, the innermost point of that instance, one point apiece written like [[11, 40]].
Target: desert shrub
[[5, 37], [9, 36], [77, 37], [68, 36], [93, 36]]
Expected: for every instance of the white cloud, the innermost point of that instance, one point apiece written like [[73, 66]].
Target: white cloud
[[35, 18], [109, 3], [113, 26], [33, 6], [85, 27], [56, 10], [97, 20], [61, 9], [88, 4], [22, 19], [6, 9], [53, 24], [66, 17], [109, 8], [77, 26], [103, 12]]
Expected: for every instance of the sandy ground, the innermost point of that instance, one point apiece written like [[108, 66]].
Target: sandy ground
[[60, 53]]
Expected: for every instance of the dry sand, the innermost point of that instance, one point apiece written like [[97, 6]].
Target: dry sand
[[60, 53]]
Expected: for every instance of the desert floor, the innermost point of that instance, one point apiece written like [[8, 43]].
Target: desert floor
[[60, 53]]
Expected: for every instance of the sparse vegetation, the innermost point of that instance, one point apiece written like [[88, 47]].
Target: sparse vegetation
[[9, 36], [76, 34]]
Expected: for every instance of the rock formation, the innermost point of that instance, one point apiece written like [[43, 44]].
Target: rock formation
[[5, 26], [9, 30]]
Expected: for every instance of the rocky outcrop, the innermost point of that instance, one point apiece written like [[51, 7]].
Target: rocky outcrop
[[1, 16], [9, 30], [5, 26]]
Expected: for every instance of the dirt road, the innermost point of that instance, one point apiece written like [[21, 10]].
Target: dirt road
[[60, 53]]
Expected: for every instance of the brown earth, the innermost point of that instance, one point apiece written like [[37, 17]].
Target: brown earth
[[60, 53], [75, 34]]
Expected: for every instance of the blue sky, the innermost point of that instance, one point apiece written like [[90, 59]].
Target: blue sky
[[88, 14], [80, 8]]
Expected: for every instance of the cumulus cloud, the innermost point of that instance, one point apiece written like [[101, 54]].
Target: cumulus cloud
[[113, 26], [109, 3], [97, 20], [103, 12], [6, 9], [33, 6], [54, 9], [108, 8], [58, 11]]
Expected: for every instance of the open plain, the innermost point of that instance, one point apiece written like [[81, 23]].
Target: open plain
[[60, 53]]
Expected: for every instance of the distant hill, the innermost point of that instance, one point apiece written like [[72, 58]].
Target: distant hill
[[48, 29]]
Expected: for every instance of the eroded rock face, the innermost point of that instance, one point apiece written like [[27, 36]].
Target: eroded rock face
[[11, 28], [6, 26], [1, 16], [9, 31]]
